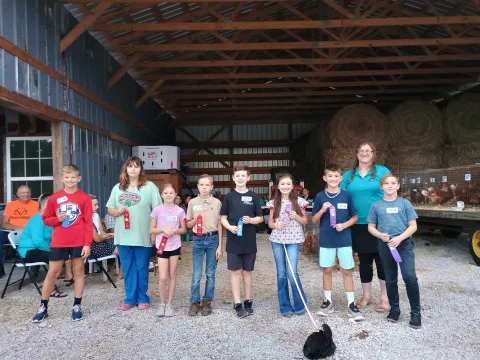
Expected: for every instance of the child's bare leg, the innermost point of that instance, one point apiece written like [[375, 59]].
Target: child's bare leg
[[247, 284], [162, 279], [173, 264], [79, 274], [327, 278], [68, 270], [54, 269], [347, 280], [235, 279]]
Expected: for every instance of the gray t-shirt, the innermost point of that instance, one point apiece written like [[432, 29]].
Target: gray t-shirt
[[391, 217]]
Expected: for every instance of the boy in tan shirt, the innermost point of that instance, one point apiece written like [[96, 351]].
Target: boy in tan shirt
[[207, 241]]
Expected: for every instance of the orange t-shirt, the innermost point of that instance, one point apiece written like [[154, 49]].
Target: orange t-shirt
[[19, 213]]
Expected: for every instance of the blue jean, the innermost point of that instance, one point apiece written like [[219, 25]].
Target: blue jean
[[206, 245], [135, 261], [3, 241], [284, 275], [407, 267]]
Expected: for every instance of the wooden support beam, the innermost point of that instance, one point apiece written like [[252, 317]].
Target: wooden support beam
[[205, 144], [299, 24], [229, 46], [232, 144], [124, 69], [151, 90], [340, 9], [417, 90], [248, 108], [304, 61], [326, 84], [80, 28], [308, 74], [249, 121], [163, 1], [236, 157], [231, 184], [58, 141], [225, 171]]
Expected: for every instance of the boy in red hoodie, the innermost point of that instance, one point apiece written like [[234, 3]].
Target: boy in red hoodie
[[69, 212]]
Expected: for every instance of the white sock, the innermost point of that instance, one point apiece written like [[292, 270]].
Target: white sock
[[350, 297], [328, 295]]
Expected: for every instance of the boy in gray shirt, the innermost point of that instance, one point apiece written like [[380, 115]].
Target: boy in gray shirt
[[393, 221]]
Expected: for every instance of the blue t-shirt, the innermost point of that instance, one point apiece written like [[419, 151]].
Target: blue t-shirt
[[364, 190], [392, 217], [36, 235], [345, 210]]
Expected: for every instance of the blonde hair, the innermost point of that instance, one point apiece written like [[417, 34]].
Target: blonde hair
[[386, 176], [70, 168], [205, 176]]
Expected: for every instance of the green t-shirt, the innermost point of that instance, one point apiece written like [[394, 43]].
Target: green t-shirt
[[140, 204]]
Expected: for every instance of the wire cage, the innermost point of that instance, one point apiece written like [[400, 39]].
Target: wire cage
[[450, 187]]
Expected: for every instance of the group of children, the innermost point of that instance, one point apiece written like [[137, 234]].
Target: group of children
[[391, 220]]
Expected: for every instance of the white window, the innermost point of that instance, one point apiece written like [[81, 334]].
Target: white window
[[29, 162]]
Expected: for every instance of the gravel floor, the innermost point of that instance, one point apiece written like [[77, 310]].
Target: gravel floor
[[449, 285]]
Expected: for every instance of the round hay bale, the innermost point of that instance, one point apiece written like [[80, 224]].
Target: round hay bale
[[415, 123], [345, 157], [414, 159], [461, 154], [358, 122], [462, 119]]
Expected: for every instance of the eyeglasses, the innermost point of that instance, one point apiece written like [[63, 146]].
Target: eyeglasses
[[365, 152]]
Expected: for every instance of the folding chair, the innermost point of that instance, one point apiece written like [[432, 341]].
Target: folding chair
[[102, 263], [14, 238]]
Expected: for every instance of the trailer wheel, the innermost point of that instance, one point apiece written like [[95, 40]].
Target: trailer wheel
[[474, 240], [450, 234]]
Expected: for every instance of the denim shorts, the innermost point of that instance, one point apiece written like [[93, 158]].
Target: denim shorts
[[344, 254]]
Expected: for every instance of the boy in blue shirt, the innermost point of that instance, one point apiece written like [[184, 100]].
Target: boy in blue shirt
[[336, 238], [393, 221]]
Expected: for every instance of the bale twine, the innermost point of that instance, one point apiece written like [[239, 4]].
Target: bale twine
[[462, 119], [358, 122], [415, 123], [461, 154], [345, 157], [413, 159]]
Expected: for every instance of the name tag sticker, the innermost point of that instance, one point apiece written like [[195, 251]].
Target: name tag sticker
[[392, 210], [171, 218], [246, 198], [197, 207], [342, 206], [62, 199]]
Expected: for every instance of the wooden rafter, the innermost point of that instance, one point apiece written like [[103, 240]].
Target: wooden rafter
[[149, 93], [124, 69]]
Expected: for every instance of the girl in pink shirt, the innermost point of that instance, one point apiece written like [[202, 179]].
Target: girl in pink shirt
[[167, 224]]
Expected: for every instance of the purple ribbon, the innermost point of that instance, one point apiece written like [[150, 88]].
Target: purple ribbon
[[396, 255], [286, 213], [333, 216]]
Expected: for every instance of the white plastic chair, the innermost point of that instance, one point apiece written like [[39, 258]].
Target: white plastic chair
[[14, 238], [102, 264]]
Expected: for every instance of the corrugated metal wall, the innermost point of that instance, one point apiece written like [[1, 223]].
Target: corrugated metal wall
[[37, 26], [245, 133]]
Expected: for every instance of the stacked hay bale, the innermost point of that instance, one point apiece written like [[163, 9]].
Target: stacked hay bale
[[349, 126], [415, 136], [462, 127]]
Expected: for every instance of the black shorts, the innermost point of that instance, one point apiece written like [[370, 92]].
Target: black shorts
[[167, 254], [67, 253], [241, 261], [362, 241]]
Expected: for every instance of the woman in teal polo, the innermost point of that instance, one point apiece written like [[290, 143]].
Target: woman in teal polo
[[363, 183]]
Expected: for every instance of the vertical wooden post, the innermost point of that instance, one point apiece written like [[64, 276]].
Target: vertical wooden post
[[57, 153]]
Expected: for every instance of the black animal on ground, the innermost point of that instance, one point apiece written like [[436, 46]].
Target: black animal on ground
[[319, 345]]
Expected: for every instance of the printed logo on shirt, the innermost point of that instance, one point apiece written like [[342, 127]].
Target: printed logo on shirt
[[247, 200], [392, 210], [197, 207], [342, 206], [129, 199], [72, 210]]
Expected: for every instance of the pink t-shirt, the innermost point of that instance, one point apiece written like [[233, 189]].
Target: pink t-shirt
[[168, 217]]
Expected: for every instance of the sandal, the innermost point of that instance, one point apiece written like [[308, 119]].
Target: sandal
[[382, 308], [125, 307], [69, 282], [57, 294], [143, 306]]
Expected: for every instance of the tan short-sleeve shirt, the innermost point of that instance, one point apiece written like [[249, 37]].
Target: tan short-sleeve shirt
[[209, 209]]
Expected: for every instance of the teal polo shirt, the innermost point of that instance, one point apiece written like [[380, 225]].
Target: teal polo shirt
[[364, 190]]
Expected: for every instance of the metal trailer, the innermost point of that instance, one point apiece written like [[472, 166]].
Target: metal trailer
[[452, 223]]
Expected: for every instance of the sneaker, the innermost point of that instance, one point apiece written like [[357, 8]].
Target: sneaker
[[206, 308], [287, 315], [393, 316], [77, 313], [241, 313], [41, 315], [161, 311], [247, 304], [194, 309], [326, 308], [354, 313], [169, 310], [415, 321]]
